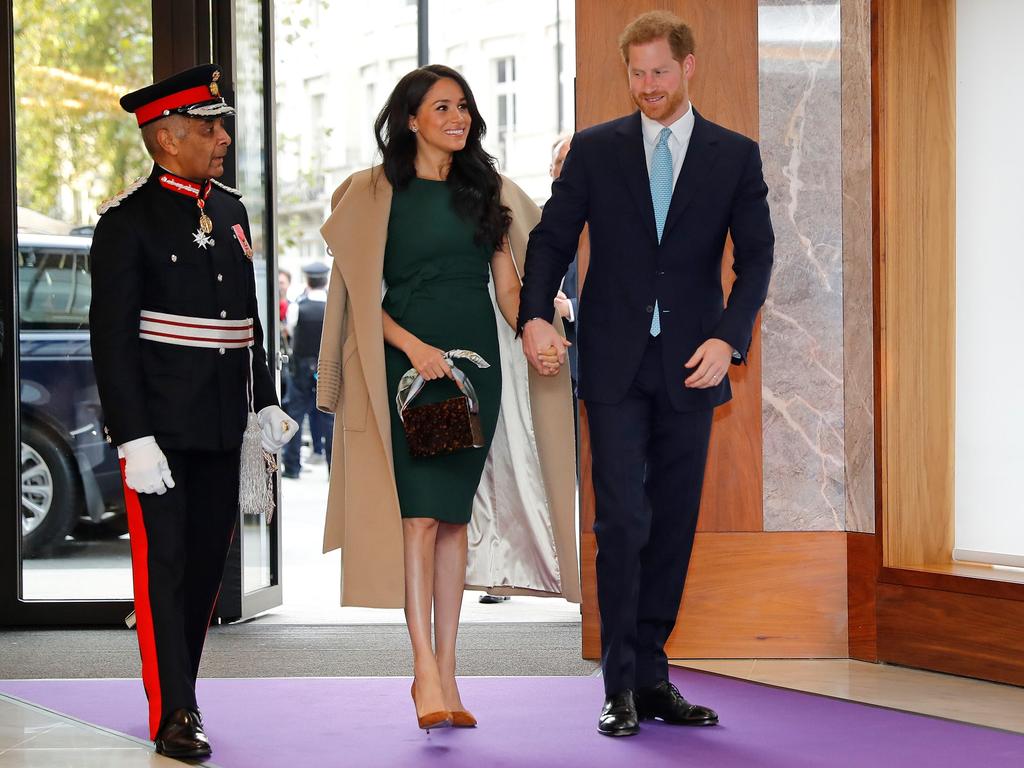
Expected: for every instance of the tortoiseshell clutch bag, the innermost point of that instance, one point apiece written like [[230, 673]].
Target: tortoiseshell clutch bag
[[441, 428]]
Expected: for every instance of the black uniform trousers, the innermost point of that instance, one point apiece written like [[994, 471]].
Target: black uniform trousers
[[179, 542], [648, 471]]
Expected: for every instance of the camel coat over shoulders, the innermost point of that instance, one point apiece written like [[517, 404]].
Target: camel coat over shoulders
[[522, 538]]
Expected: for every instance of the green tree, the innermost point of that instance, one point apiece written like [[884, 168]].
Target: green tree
[[72, 62]]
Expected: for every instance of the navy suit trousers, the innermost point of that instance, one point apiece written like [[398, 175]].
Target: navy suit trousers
[[648, 470]]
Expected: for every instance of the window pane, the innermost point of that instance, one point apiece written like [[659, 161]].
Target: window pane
[[249, 137], [53, 282], [335, 64], [509, 53], [75, 147]]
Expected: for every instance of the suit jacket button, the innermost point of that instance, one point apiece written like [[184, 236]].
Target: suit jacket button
[[174, 257], [109, 441], [223, 314], [221, 350], [650, 308], [220, 278]]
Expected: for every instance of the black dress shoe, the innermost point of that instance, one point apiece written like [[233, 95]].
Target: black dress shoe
[[492, 599], [182, 735], [664, 702], [618, 715]]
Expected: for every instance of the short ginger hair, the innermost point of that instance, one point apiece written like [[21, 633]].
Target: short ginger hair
[[655, 25]]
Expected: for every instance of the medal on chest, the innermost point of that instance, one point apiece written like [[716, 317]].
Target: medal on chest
[[242, 240], [201, 237]]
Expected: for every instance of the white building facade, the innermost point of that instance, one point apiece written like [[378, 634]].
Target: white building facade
[[336, 63]]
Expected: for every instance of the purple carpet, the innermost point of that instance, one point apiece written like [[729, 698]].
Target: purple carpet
[[532, 721]]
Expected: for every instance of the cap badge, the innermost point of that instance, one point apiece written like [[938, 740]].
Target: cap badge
[[214, 89]]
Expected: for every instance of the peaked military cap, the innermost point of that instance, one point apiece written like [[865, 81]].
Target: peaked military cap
[[315, 269], [193, 93]]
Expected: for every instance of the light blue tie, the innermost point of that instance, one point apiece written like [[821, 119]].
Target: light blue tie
[[661, 196]]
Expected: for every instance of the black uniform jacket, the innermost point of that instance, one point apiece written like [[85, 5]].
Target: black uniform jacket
[[144, 256], [605, 183]]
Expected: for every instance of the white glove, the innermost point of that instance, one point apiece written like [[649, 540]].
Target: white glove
[[145, 466], [278, 428]]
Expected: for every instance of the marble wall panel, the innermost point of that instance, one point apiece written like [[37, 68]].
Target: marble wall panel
[[802, 324]]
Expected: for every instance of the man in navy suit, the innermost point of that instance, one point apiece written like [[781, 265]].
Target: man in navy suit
[[660, 190]]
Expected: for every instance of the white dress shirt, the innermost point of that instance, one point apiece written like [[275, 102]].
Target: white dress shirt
[[678, 142]]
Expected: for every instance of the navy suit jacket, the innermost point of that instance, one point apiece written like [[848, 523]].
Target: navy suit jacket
[[605, 183]]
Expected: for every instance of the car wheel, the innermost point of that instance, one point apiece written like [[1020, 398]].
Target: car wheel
[[50, 493]]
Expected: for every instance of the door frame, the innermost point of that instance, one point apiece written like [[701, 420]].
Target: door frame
[[185, 34]]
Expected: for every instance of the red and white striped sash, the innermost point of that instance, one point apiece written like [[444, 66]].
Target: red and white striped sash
[[185, 331]]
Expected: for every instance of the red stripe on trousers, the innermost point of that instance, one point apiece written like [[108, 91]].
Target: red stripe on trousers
[[143, 612]]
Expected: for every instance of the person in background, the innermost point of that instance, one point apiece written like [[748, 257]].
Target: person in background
[[565, 305], [305, 322], [567, 299], [284, 283]]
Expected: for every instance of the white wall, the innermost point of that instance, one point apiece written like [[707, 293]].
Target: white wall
[[989, 282]]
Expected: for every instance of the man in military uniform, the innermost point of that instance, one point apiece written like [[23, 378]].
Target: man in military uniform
[[305, 322], [178, 351]]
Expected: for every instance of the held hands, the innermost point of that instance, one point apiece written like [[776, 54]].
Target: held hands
[[544, 347], [549, 360], [145, 466], [711, 360], [277, 428]]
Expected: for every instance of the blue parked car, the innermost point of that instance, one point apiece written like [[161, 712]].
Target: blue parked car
[[70, 479]]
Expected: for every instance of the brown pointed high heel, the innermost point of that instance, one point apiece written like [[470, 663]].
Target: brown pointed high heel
[[463, 718], [440, 719]]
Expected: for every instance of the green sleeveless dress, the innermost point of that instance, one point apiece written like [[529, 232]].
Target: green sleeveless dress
[[437, 280]]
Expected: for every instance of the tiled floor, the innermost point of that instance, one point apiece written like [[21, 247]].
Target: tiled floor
[[912, 690], [31, 736]]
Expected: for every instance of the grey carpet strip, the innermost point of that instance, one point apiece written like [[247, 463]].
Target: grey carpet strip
[[290, 650]]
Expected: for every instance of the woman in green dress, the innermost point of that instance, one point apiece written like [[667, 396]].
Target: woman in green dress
[[446, 240]]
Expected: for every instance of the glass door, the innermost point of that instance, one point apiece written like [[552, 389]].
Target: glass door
[[67, 146], [72, 148], [252, 576]]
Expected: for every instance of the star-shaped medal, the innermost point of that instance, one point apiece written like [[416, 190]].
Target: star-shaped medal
[[202, 239]]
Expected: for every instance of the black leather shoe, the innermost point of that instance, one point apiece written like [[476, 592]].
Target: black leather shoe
[[492, 599], [618, 715], [664, 702], [182, 735]]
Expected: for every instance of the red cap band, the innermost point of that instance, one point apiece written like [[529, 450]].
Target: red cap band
[[175, 101]]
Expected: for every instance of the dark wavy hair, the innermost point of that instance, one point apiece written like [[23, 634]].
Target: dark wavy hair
[[473, 177]]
